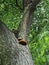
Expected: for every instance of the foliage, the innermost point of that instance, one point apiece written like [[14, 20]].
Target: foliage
[[10, 14], [39, 32], [40, 49]]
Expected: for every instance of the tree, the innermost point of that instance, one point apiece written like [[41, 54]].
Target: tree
[[11, 52]]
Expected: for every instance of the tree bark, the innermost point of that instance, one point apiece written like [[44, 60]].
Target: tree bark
[[11, 52], [23, 29]]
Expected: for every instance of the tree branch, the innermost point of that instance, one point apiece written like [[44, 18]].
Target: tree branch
[[23, 26], [23, 29]]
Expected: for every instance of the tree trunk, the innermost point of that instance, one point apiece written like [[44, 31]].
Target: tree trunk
[[11, 52]]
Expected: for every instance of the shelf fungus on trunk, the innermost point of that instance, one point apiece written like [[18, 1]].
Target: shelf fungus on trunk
[[22, 41]]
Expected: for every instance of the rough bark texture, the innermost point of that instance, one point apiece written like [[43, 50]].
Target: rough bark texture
[[11, 52], [24, 26]]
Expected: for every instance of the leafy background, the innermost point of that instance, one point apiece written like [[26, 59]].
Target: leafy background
[[11, 15]]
